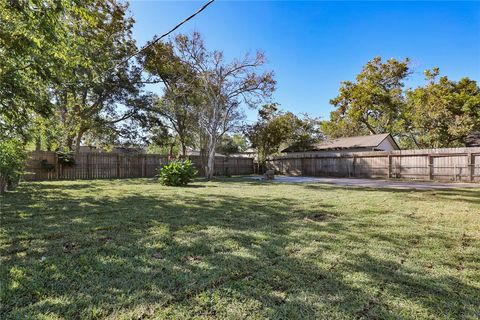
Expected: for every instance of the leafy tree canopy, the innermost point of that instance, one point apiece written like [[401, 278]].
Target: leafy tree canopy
[[229, 144], [176, 108], [443, 113], [372, 103], [275, 130], [34, 50]]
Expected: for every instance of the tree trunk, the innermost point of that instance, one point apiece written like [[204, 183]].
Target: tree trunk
[[211, 157], [38, 144], [184, 149], [3, 184], [12, 184], [78, 140], [68, 143], [369, 127]]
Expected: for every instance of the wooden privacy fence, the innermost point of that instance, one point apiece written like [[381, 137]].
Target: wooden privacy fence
[[448, 164], [45, 165]]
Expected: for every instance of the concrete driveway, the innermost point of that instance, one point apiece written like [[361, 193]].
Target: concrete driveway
[[374, 183]]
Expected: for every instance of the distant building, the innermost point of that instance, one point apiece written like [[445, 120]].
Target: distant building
[[249, 153], [376, 142], [119, 150], [89, 149], [129, 150], [197, 153], [473, 139]]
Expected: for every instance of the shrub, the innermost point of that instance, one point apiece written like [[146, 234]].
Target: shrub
[[12, 161], [177, 173], [66, 158]]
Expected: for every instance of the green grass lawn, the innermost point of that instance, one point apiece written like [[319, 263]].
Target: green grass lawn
[[233, 248]]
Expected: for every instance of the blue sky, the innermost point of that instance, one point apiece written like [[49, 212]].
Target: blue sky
[[312, 46]]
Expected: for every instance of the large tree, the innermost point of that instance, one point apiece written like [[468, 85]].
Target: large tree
[[230, 144], [275, 130], [34, 50], [102, 88], [175, 109], [224, 88], [64, 68], [33, 53], [371, 104], [443, 113]]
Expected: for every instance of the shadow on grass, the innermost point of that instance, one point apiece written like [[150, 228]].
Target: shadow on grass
[[92, 256]]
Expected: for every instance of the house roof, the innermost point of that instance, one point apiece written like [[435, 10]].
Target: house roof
[[370, 141], [197, 153]]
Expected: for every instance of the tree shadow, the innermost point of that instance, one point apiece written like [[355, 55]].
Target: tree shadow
[[92, 256]]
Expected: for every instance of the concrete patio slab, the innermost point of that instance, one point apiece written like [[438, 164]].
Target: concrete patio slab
[[374, 183]]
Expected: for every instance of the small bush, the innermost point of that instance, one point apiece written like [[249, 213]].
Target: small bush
[[66, 158], [177, 173]]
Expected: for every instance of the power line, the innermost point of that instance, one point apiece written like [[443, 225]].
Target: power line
[[167, 33]]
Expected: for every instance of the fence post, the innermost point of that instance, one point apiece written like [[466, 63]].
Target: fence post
[[87, 160], [430, 167], [389, 173], [354, 162], [144, 166], [57, 166], [471, 164], [118, 166]]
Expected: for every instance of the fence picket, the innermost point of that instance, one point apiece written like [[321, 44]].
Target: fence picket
[[455, 164], [113, 165]]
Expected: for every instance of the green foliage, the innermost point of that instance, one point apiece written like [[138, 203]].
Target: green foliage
[[240, 141], [162, 139], [35, 51], [275, 130], [232, 144], [66, 158], [92, 88], [443, 113], [60, 70], [29, 31], [307, 132], [12, 161], [175, 109], [177, 173], [372, 104]]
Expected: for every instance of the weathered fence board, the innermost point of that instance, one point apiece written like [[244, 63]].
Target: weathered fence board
[[44, 165], [447, 164]]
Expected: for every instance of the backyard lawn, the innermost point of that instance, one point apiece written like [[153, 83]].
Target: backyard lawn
[[236, 249]]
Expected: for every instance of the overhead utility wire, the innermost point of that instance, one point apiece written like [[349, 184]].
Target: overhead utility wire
[[167, 33]]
